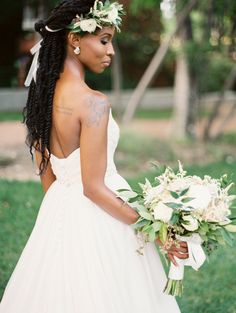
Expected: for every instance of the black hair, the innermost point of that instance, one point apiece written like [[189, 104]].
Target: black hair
[[38, 110]]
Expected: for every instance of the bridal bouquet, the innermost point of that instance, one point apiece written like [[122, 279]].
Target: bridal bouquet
[[178, 207]]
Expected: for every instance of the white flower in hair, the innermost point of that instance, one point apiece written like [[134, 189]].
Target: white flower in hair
[[88, 25], [113, 15], [100, 15]]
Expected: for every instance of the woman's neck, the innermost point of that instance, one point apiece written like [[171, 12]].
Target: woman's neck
[[74, 67]]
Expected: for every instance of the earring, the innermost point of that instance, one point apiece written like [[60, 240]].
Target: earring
[[77, 50]]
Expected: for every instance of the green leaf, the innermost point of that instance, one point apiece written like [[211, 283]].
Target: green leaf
[[152, 235], [183, 192], [141, 207], [187, 199], [173, 205], [128, 194], [146, 215], [226, 236], [163, 233], [132, 200], [231, 228], [156, 226], [174, 194], [147, 227], [174, 219], [140, 224]]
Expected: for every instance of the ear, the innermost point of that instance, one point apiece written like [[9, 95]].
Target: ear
[[74, 39]]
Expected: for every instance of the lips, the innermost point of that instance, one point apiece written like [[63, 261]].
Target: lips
[[107, 63]]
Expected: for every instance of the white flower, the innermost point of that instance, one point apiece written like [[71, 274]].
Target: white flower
[[162, 212], [217, 212], [192, 223], [213, 189], [113, 15], [201, 195], [88, 25], [179, 184]]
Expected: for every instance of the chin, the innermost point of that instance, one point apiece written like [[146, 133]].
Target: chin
[[99, 71]]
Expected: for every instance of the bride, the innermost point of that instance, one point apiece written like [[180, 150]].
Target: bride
[[81, 255]]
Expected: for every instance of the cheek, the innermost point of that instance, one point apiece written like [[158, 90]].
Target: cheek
[[93, 52]]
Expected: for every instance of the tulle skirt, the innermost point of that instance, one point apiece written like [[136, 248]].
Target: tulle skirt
[[79, 259]]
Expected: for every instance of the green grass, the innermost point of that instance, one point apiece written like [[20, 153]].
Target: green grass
[[140, 114], [19, 203], [159, 114], [135, 151], [210, 290], [10, 116]]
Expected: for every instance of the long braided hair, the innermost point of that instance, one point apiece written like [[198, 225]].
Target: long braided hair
[[38, 110]]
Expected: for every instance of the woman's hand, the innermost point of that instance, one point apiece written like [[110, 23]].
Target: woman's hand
[[179, 250]]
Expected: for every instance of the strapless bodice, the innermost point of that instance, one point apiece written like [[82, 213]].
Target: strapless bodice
[[68, 170]]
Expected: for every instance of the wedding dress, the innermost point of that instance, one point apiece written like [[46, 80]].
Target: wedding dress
[[79, 259]]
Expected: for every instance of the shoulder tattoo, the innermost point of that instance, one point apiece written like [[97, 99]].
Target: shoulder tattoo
[[98, 107]]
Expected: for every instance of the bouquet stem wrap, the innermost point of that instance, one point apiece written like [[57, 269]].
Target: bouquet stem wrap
[[196, 258]]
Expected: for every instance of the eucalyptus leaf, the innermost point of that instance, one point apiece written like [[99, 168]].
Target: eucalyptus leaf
[[173, 205], [187, 199], [156, 226], [231, 228], [128, 194], [174, 194], [183, 192], [146, 215], [152, 235], [140, 224], [174, 219], [140, 207]]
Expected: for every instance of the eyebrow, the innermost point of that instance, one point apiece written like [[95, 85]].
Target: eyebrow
[[105, 34]]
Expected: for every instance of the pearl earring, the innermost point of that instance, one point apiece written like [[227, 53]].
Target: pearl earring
[[77, 50]]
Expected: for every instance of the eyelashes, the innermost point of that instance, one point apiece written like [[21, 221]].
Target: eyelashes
[[104, 42]]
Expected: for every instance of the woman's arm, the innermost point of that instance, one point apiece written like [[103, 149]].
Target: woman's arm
[[47, 178], [93, 152]]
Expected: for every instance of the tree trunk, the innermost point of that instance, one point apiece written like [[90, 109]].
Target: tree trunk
[[184, 88], [216, 111], [155, 65], [181, 97]]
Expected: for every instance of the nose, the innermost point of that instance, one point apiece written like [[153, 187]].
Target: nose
[[110, 50]]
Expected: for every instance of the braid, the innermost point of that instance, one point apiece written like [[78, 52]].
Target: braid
[[38, 110]]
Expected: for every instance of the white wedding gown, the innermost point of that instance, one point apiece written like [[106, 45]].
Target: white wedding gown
[[79, 259]]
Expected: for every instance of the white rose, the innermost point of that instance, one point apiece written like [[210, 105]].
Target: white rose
[[201, 195], [88, 25], [162, 212], [217, 212], [192, 223], [213, 189], [178, 184], [113, 15]]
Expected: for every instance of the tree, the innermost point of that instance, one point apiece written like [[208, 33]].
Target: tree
[[156, 62]]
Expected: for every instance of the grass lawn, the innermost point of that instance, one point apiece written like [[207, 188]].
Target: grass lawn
[[164, 113], [211, 290], [10, 116]]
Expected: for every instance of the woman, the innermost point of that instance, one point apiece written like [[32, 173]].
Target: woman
[[81, 256]]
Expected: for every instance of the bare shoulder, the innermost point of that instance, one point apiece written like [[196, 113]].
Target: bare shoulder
[[96, 107]]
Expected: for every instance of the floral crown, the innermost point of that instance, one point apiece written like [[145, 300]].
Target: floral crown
[[99, 16]]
